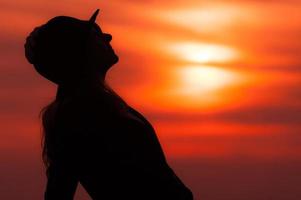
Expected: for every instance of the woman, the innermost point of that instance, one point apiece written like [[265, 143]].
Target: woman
[[91, 135]]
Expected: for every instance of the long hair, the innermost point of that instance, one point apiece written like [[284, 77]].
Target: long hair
[[48, 117]]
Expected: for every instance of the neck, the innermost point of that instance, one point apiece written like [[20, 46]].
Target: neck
[[85, 85]]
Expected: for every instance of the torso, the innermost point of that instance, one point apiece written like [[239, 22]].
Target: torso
[[120, 153]]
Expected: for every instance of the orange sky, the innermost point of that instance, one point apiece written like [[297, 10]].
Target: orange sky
[[219, 80]]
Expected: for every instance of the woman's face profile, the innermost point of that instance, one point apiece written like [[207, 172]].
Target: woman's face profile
[[67, 47], [101, 53]]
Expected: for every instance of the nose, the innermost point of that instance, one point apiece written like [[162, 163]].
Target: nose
[[107, 37]]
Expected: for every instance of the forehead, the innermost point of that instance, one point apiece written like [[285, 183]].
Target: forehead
[[97, 28]]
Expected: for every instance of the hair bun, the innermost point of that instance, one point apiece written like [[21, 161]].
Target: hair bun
[[30, 46]]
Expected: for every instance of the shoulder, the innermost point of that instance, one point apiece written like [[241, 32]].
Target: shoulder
[[106, 103]]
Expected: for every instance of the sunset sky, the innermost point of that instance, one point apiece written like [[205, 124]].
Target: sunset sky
[[219, 80]]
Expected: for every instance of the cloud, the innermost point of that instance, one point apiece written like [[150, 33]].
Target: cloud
[[263, 114]]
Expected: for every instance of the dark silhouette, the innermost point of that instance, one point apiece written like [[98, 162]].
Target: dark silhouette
[[91, 135]]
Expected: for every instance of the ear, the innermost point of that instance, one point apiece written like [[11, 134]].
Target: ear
[[93, 17]]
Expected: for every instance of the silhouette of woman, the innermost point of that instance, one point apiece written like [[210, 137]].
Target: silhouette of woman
[[91, 135]]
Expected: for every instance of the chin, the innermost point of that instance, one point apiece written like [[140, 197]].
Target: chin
[[110, 62]]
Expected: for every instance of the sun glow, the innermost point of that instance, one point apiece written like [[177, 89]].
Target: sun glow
[[207, 18], [203, 53], [199, 87], [195, 80]]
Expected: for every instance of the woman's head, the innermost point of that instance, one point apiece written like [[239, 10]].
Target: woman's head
[[67, 50]]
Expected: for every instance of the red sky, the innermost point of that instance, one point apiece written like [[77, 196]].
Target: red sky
[[219, 80]]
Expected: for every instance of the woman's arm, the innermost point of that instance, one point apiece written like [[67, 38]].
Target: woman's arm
[[61, 184]]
